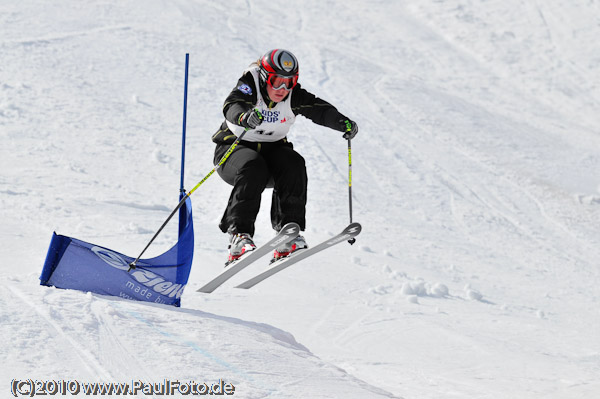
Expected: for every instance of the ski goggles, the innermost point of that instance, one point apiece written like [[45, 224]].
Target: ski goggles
[[278, 82]]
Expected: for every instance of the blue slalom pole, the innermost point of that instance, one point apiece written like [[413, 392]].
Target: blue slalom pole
[[183, 214], [185, 91]]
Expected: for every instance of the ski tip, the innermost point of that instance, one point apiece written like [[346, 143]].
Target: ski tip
[[291, 228], [354, 228]]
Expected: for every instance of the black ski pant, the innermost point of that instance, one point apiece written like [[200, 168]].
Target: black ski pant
[[250, 169]]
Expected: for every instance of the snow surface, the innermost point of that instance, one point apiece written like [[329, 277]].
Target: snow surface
[[476, 179]]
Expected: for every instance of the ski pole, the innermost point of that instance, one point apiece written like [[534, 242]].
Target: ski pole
[[217, 166], [352, 240]]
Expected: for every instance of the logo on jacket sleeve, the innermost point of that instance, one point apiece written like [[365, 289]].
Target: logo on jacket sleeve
[[245, 89]]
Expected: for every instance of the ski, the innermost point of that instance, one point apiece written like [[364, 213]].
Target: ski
[[351, 231], [287, 233]]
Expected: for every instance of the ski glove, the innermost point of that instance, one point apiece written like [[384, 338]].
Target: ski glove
[[250, 119], [350, 128]]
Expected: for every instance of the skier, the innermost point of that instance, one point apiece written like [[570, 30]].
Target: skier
[[264, 104]]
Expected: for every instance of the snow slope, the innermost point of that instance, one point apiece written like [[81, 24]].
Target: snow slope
[[475, 177]]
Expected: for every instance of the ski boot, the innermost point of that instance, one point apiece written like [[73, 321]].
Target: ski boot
[[239, 244], [289, 248]]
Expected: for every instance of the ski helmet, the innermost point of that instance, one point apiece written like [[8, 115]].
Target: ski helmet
[[279, 69]]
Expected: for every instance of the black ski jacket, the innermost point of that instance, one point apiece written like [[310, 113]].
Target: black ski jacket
[[303, 102]]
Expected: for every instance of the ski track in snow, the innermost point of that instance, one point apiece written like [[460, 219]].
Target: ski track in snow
[[474, 178]]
